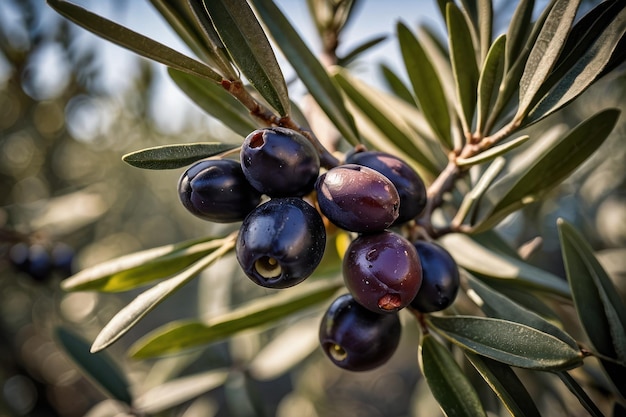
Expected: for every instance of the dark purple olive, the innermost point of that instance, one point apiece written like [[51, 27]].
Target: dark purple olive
[[440, 278], [281, 242], [279, 162], [382, 271], [357, 198], [216, 190], [409, 184], [357, 339], [63, 259]]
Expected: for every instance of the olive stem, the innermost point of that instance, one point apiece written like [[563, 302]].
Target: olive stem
[[447, 179]]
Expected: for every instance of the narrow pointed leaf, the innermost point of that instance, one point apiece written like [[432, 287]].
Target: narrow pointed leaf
[[508, 342], [99, 368], [506, 385], [463, 64], [426, 85], [182, 18], [477, 258], [177, 336], [493, 153], [145, 302], [175, 155], [579, 75], [247, 44], [518, 30], [447, 382], [139, 268], [546, 51], [499, 306], [396, 85], [358, 50], [543, 166], [485, 26], [216, 101], [309, 69], [133, 41], [580, 393], [599, 307], [489, 81], [178, 391]]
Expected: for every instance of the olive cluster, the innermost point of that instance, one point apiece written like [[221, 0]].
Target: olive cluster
[[41, 261], [282, 239]]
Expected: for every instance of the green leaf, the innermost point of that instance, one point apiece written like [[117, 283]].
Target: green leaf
[[136, 269], [388, 122], [598, 305], [216, 101], [542, 166], [545, 52], [396, 85], [580, 393], [247, 44], [499, 306], [485, 26], [133, 41], [582, 70], [358, 50], [477, 258], [463, 64], [309, 69], [200, 37], [508, 342], [447, 382], [490, 78], [145, 302], [506, 385], [426, 85], [99, 368], [178, 391], [175, 155], [492, 153], [181, 335], [518, 31]]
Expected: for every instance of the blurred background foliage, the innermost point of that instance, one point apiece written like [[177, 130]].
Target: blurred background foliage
[[62, 132]]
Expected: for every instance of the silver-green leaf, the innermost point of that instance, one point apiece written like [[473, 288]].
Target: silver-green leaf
[[175, 155]]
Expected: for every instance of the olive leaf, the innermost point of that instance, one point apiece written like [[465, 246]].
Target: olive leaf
[[139, 268], [309, 69], [145, 302], [396, 85], [175, 155], [545, 52], [464, 64], [216, 101], [426, 84], [133, 41], [490, 78], [506, 385], [508, 342], [447, 382], [245, 40], [177, 336], [599, 308], [495, 304], [196, 32], [583, 69], [358, 50], [580, 393], [99, 368]]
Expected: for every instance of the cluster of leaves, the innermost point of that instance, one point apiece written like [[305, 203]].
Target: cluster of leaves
[[467, 122]]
